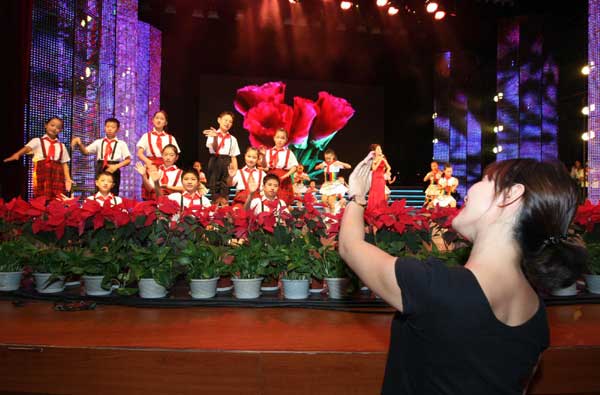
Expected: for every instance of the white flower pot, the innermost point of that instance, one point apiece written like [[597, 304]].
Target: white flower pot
[[593, 283], [337, 287], [93, 286], [203, 288], [571, 290], [41, 283], [295, 289], [247, 288], [150, 289], [10, 281]]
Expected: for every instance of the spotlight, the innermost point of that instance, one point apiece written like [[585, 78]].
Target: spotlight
[[431, 6], [500, 95], [497, 149], [392, 10], [346, 5], [439, 15], [588, 135], [381, 3], [435, 141], [434, 115], [585, 110], [498, 128], [585, 70], [496, 98]]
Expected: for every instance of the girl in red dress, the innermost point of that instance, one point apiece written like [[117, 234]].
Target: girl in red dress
[[379, 169]]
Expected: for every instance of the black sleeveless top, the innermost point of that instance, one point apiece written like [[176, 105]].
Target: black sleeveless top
[[448, 340]]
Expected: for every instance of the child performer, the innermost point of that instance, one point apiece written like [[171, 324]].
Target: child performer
[[165, 179], [447, 186], [282, 163], [299, 187], [104, 184], [198, 167], [111, 153], [51, 175], [341, 196], [223, 149], [269, 202], [241, 177], [331, 187], [311, 190], [151, 144], [192, 194], [432, 190]]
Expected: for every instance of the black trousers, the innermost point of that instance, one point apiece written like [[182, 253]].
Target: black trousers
[[116, 175], [217, 173]]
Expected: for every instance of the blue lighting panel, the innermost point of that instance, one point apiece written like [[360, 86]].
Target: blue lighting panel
[[549, 134], [530, 91], [507, 83]]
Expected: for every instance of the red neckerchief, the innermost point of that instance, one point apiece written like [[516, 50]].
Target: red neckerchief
[[108, 150], [165, 179], [51, 150], [275, 157], [192, 196], [224, 137], [103, 199], [250, 172], [159, 136]]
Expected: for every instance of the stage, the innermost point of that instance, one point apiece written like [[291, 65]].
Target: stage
[[208, 350]]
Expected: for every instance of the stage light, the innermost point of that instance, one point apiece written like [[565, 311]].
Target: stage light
[[496, 98], [498, 128], [88, 72], [434, 115], [592, 107], [585, 70], [393, 10], [497, 149], [500, 95], [431, 6], [588, 135], [381, 3], [435, 141], [346, 5], [585, 110], [439, 15]]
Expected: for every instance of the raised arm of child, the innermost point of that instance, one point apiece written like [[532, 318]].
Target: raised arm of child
[[252, 187], [18, 154]]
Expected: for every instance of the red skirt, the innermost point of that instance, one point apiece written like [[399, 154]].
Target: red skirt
[[151, 195], [48, 179], [286, 189]]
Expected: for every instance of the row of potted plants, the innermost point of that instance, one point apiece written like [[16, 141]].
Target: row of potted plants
[[151, 243]]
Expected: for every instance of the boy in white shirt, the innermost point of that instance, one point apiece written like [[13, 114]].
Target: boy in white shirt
[[111, 153], [268, 202]]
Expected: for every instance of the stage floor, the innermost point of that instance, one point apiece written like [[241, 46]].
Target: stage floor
[[240, 350]]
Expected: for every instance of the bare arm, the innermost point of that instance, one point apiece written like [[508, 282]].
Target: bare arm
[[388, 168], [320, 166], [143, 157], [76, 143], [375, 267], [117, 166], [68, 180], [343, 164], [290, 172], [18, 154]]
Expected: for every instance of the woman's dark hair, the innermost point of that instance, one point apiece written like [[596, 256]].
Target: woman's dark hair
[[551, 257], [372, 147]]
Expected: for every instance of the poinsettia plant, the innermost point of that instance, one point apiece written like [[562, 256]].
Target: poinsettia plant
[[311, 125]]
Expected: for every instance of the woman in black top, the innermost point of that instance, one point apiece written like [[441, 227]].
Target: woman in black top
[[481, 328]]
